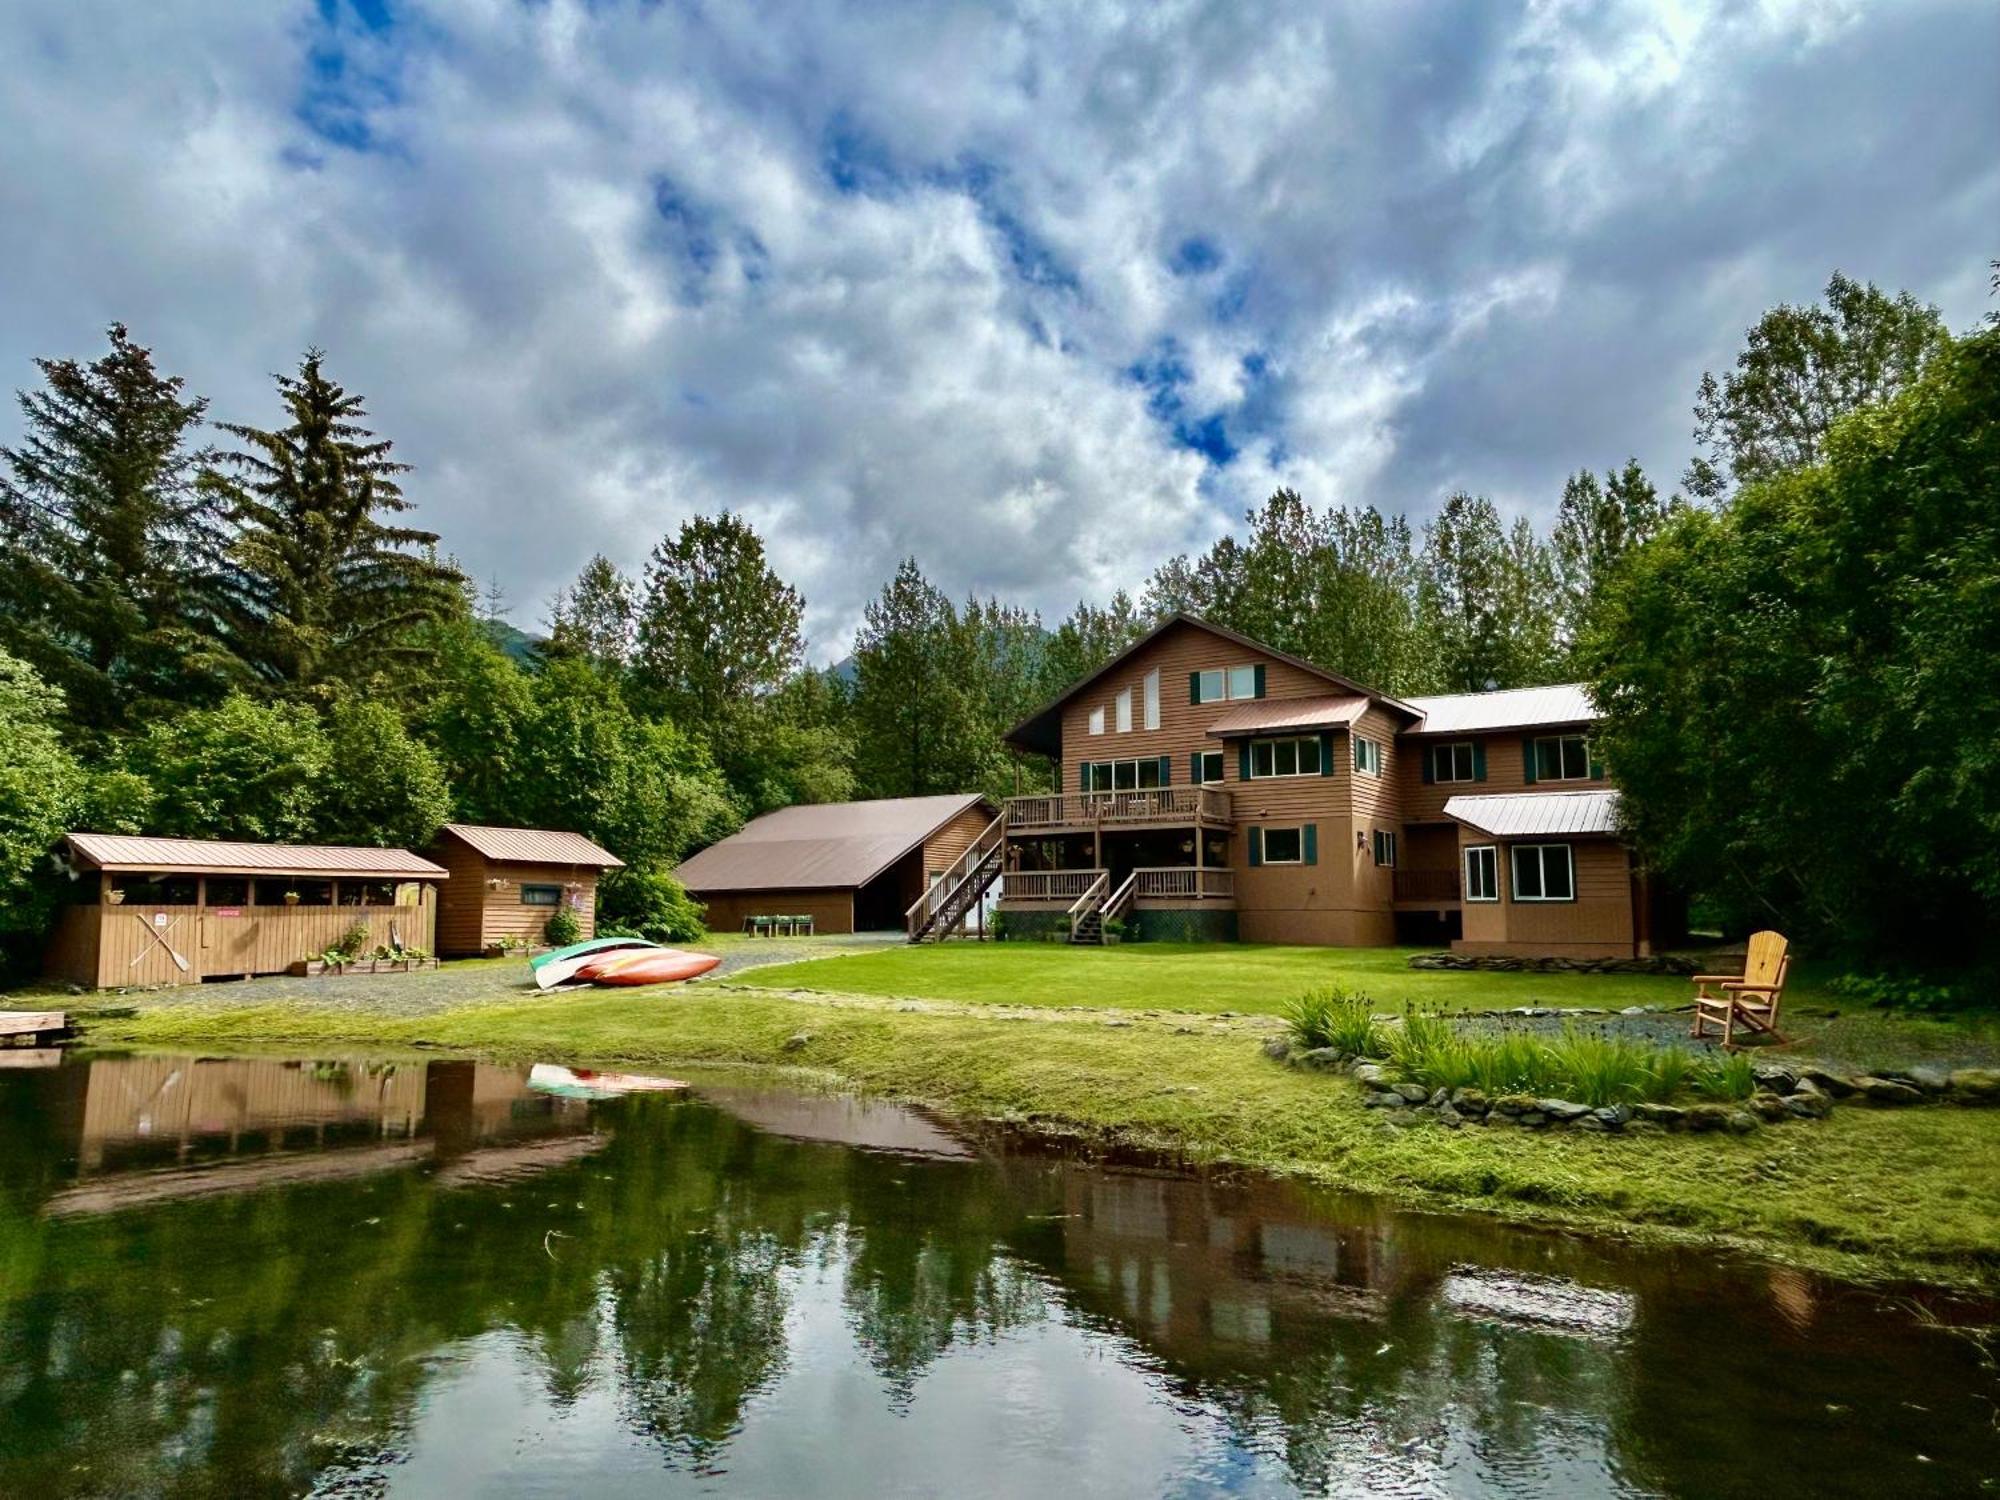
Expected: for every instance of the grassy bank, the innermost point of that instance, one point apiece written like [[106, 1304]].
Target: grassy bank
[[1867, 1193]]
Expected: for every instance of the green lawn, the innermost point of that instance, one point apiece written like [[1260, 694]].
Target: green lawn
[[1193, 976]]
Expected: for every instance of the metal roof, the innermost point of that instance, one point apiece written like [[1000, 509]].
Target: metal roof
[[1510, 708], [1289, 713], [821, 845], [133, 854], [534, 846], [1512, 815]]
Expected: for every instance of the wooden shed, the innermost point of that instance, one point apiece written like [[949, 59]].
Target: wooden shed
[[850, 866], [146, 911], [507, 882]]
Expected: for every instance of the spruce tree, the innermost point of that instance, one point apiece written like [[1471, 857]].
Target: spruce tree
[[110, 549], [330, 590], [595, 617]]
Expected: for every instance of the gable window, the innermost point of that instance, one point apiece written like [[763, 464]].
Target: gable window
[[1298, 757], [1561, 757], [1125, 711], [1453, 762], [1220, 683], [1543, 872], [1097, 719], [541, 895], [1206, 765], [1211, 687], [1153, 699], [1242, 682], [1367, 756], [1385, 848], [1123, 775], [1284, 846], [1482, 873]]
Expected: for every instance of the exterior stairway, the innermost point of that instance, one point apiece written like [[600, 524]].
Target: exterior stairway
[[937, 913], [1088, 930]]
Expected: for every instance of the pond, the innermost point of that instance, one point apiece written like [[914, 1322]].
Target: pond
[[247, 1277]]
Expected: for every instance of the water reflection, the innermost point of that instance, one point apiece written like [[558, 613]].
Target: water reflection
[[231, 1277]]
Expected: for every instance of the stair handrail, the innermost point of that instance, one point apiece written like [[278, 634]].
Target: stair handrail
[[1088, 902], [1121, 898], [935, 897]]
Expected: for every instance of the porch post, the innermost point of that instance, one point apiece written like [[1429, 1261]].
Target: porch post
[[1097, 835]]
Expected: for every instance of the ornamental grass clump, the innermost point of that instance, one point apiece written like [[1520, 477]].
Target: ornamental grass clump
[[1578, 1065], [1598, 1070], [1330, 1016], [1731, 1076]]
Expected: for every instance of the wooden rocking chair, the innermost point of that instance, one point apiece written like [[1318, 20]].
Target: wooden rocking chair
[[1750, 999]]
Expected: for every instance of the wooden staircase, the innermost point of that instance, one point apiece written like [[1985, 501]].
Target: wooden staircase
[[1095, 907], [937, 913]]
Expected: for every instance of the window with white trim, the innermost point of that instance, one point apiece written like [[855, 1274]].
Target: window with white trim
[[1242, 682], [541, 895], [1385, 848], [1453, 762], [1482, 872], [1153, 699], [1367, 756], [1299, 757], [1097, 719], [1125, 711], [1123, 775], [1284, 846], [1543, 872], [1562, 757], [1208, 766]]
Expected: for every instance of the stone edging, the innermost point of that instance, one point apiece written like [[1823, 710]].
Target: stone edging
[[1507, 964]]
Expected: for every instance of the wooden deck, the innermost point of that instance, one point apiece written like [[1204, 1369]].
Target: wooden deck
[[1167, 886], [1158, 807], [31, 1027]]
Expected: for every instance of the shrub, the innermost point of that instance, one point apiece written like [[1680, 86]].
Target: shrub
[[1428, 1049], [1729, 1076], [562, 927], [1330, 1016], [1590, 1069], [1599, 1070], [352, 944], [650, 904], [1668, 1071]]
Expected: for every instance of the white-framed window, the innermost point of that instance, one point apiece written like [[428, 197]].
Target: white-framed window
[[1482, 872], [1213, 685], [1220, 683], [1243, 682], [1367, 756], [1562, 757], [1284, 846], [541, 895], [1385, 848], [1124, 702], [1543, 872], [1453, 762], [1299, 757], [1153, 699], [1097, 719], [1208, 766], [1123, 775]]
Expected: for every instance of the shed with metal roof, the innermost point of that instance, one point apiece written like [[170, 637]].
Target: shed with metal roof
[[507, 882]]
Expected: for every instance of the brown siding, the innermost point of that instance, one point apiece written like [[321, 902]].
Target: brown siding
[[831, 911], [953, 839], [462, 901], [503, 915], [134, 949], [72, 950], [1504, 773], [1598, 924]]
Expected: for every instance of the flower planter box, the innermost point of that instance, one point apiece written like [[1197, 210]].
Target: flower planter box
[[314, 968]]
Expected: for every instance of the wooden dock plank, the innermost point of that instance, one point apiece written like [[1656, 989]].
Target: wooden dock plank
[[31, 1022]]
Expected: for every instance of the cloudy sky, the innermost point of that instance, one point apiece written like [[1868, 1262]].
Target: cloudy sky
[[1039, 294]]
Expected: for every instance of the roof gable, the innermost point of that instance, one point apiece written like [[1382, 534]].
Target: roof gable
[[533, 846], [822, 845]]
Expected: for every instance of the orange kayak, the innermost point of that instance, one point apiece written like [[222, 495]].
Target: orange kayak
[[648, 966]]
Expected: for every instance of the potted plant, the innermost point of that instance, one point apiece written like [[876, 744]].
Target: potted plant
[[115, 896], [1114, 930], [291, 898]]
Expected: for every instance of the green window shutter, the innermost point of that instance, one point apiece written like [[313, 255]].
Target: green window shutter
[[1258, 672], [1166, 770], [1194, 687], [1194, 767], [1355, 741], [1479, 760], [1256, 847], [1083, 776], [1326, 755], [1430, 771], [1243, 761], [1528, 759], [1311, 842]]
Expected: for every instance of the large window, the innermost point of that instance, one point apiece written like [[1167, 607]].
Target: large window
[[1367, 756], [1284, 846], [1218, 683], [1097, 719], [1298, 757], [1562, 757], [1454, 762], [1385, 848], [1123, 775], [1543, 872], [1153, 699], [1125, 711], [1482, 873], [541, 895]]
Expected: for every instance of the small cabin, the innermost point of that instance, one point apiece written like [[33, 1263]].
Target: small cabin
[[507, 882], [152, 911]]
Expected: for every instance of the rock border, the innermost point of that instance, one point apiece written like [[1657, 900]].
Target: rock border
[[1554, 964]]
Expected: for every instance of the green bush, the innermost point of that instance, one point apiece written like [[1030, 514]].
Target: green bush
[[650, 904], [562, 927], [352, 943], [1331, 1016], [1728, 1076], [1590, 1069]]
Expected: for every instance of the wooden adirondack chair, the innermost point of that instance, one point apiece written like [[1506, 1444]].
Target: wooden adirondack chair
[[1749, 999]]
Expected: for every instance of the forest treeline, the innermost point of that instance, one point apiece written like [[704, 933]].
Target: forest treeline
[[215, 629]]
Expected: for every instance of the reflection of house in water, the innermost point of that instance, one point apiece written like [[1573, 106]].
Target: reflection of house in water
[[841, 1119], [147, 1129]]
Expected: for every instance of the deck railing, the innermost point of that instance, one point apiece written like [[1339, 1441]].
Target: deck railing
[[1152, 805], [945, 891], [1165, 883], [1185, 883], [1046, 885], [1426, 885]]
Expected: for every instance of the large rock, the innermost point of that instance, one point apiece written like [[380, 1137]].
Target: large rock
[[1277, 1048], [1768, 1106], [1707, 1117], [1450, 1118], [1775, 1077], [1320, 1059], [1563, 1110], [1468, 1101], [1809, 1104], [1534, 1119], [1513, 1104], [1644, 1127], [1612, 1116], [1835, 1084], [1416, 1093], [1385, 1099], [1663, 1115], [1930, 1080], [1374, 1075], [1976, 1085], [1740, 1122], [1887, 1091]]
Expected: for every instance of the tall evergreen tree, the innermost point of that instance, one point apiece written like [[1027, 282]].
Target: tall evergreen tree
[[1487, 596], [329, 592], [595, 617], [1088, 638], [110, 550], [717, 627], [916, 730], [1597, 526]]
